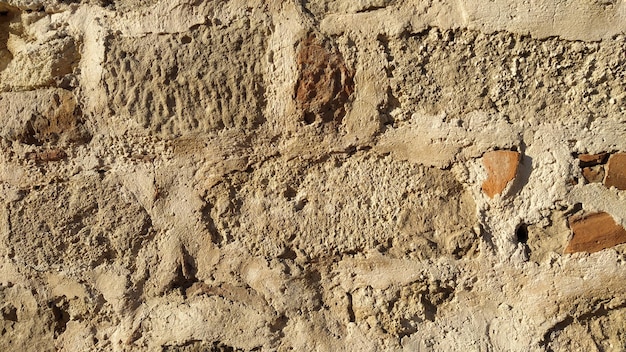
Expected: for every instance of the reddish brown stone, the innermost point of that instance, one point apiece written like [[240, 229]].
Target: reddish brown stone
[[47, 155], [501, 168], [616, 171], [594, 233], [324, 84], [594, 174], [592, 159]]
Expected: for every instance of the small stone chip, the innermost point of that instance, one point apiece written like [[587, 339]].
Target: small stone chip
[[616, 171], [594, 233], [594, 174], [501, 168], [592, 159]]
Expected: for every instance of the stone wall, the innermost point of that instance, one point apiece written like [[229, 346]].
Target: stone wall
[[329, 175]]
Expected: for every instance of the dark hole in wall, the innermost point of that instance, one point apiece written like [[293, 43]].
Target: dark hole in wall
[[9, 313], [289, 192], [185, 274], [288, 253], [61, 318], [309, 118], [6, 16], [279, 324], [521, 233], [351, 315], [216, 236]]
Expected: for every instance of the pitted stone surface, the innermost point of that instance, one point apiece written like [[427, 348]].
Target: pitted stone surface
[[327, 175]]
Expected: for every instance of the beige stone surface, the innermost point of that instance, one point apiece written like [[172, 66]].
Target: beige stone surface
[[310, 175]]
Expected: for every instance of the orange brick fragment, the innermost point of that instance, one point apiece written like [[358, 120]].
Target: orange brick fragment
[[592, 159], [594, 233], [616, 171], [501, 168]]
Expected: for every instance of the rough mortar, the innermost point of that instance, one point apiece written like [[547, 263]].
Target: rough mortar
[[319, 175]]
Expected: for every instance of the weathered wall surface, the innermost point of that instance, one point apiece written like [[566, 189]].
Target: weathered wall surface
[[372, 175]]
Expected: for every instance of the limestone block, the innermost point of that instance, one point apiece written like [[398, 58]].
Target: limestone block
[[208, 79]]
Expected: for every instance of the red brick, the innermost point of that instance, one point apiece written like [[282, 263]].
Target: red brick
[[616, 171], [324, 84], [501, 168], [594, 232]]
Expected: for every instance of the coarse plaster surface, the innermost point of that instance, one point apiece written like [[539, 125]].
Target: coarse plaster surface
[[191, 176]]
